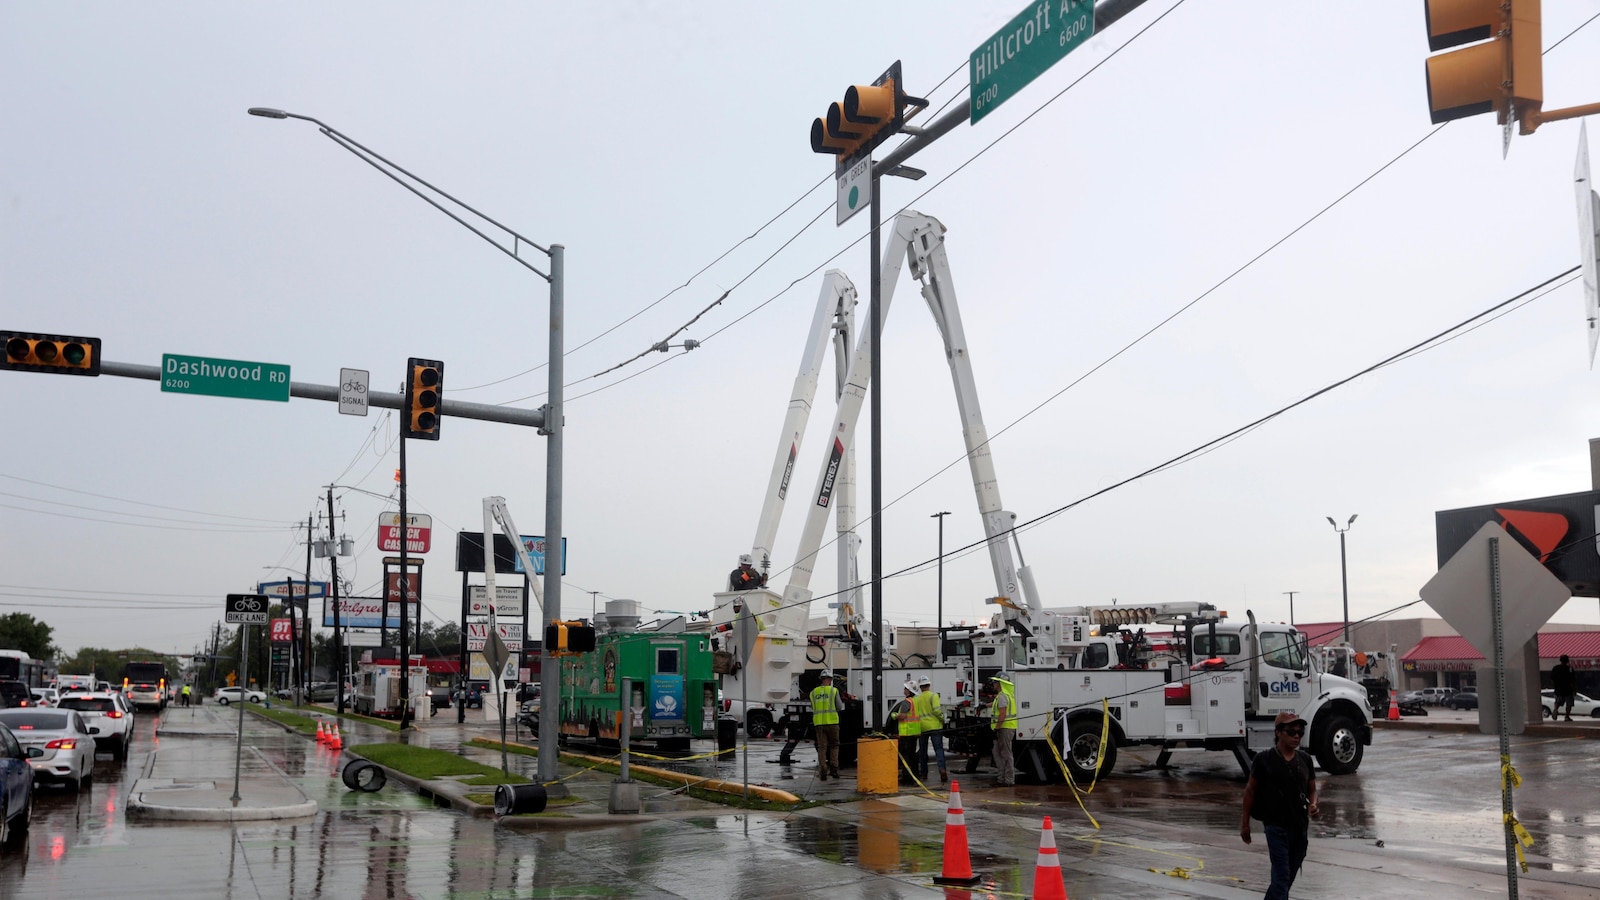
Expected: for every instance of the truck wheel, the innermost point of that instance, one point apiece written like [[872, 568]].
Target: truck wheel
[[1081, 750], [759, 725], [1339, 748]]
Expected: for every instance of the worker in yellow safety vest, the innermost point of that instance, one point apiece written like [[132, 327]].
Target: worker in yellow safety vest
[[825, 705], [1004, 721], [931, 716], [905, 715]]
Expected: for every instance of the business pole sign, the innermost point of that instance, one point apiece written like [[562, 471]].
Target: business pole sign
[[1558, 531], [282, 631], [418, 531]]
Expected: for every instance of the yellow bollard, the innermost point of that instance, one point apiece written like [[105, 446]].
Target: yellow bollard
[[877, 765]]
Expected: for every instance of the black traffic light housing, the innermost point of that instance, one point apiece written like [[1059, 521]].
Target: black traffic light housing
[[29, 352], [424, 397]]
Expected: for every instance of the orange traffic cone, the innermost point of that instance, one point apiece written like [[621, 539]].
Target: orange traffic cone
[[322, 736], [957, 867], [1394, 707], [334, 741], [1048, 883]]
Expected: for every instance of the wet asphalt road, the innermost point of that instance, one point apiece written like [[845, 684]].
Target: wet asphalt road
[[1431, 797]]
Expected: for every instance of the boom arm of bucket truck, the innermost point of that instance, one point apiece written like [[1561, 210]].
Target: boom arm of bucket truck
[[918, 240], [768, 671], [494, 510]]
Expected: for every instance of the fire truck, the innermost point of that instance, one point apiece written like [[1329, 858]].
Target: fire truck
[[1079, 672]]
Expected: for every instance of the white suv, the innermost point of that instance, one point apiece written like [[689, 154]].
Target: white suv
[[1434, 696], [110, 713]]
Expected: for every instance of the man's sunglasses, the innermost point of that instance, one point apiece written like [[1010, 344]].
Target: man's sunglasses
[[1297, 732]]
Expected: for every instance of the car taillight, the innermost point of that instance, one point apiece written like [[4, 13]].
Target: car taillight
[[114, 714], [62, 744]]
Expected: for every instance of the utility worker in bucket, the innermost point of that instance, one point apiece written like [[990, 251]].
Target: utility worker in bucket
[[909, 724], [1004, 719], [746, 577], [931, 718], [825, 706]]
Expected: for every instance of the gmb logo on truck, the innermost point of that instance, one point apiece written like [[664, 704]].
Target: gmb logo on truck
[[1281, 688]]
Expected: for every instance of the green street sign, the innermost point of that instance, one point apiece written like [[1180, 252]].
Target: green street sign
[[1029, 44], [224, 378]]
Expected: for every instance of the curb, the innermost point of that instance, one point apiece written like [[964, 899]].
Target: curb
[[721, 786], [1545, 729]]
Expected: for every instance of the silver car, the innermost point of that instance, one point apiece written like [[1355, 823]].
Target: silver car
[[66, 742]]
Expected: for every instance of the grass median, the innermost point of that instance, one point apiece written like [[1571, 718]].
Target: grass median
[[428, 764], [304, 718]]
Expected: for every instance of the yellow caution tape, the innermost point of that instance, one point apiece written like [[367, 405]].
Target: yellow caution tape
[[925, 789], [1524, 839], [1175, 872], [1508, 774]]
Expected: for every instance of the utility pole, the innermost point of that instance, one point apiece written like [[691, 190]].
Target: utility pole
[[304, 643], [338, 652]]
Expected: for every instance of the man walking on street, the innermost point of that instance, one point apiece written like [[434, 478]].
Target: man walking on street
[[1004, 720], [908, 725], [931, 714], [1282, 793], [825, 704], [1565, 684]]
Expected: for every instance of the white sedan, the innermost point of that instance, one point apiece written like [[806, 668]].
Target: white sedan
[[64, 740], [231, 695], [1581, 705]]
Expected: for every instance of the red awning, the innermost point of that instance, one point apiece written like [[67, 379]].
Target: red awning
[[1581, 647]]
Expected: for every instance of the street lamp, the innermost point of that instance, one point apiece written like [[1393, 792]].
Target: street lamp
[[938, 622], [552, 414], [1291, 605], [1344, 577]]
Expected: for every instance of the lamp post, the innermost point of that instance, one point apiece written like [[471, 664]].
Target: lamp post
[[1291, 606], [552, 414], [1344, 576], [938, 622]]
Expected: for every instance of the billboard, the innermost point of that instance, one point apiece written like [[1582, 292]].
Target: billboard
[[1559, 531], [364, 612]]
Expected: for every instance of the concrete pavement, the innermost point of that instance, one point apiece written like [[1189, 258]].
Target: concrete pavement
[[190, 776]]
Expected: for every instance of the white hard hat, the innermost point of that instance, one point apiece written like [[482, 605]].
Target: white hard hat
[[925, 680], [745, 560]]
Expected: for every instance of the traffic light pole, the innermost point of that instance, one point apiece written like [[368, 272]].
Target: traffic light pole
[[485, 412], [405, 592]]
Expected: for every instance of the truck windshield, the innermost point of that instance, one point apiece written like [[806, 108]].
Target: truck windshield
[[1280, 649]]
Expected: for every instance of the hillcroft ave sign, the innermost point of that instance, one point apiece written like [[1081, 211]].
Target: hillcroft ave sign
[[224, 378], [1028, 45]]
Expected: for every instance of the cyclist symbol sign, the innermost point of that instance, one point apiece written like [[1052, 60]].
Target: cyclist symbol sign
[[353, 391], [247, 609]]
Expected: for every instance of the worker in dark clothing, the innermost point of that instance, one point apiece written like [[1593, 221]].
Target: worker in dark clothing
[[1282, 793], [746, 578], [1565, 684]]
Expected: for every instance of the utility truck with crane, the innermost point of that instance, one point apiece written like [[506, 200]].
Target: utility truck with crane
[[1080, 673]]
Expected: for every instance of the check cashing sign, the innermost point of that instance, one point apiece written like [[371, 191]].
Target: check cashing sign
[[1036, 39]]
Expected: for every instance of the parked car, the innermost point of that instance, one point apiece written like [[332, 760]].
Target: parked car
[[15, 695], [322, 691], [1462, 700], [471, 695], [1435, 696], [229, 695], [16, 786], [1581, 705], [66, 740], [45, 696], [439, 697], [108, 712], [1409, 697]]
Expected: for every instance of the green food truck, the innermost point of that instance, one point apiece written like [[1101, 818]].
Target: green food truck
[[674, 691]]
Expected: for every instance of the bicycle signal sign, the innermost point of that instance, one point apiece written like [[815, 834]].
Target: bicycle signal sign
[[247, 609]]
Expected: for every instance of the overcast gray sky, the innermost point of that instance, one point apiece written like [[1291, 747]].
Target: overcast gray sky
[[140, 204]]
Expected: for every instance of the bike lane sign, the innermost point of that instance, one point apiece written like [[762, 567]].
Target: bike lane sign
[[247, 609], [353, 391]]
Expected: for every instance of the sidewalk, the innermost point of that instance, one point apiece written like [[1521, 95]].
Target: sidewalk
[[190, 774]]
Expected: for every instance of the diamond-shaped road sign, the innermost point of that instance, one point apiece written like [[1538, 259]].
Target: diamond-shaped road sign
[[1461, 592], [495, 652]]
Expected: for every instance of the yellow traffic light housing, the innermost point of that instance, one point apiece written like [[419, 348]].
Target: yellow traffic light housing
[[29, 352], [424, 396], [869, 115], [1501, 73]]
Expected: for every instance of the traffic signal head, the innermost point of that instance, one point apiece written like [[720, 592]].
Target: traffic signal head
[[1500, 71], [424, 393], [568, 638], [50, 353], [869, 115]]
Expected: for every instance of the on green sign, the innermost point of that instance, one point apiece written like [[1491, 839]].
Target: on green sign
[[1020, 52], [224, 377]]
